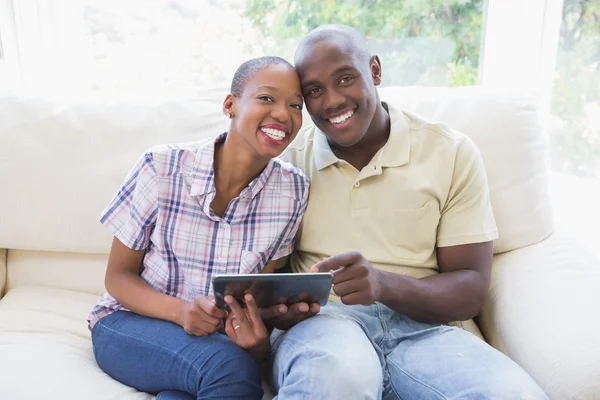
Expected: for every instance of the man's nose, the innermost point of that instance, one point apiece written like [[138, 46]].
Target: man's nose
[[333, 100]]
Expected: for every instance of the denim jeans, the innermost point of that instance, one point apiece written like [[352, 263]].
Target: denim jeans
[[373, 352], [158, 356]]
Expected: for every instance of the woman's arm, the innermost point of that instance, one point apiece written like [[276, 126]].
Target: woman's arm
[[123, 282]]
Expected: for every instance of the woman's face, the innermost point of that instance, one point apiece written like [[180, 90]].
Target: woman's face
[[268, 113]]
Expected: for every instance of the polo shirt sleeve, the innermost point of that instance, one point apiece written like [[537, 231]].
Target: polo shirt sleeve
[[286, 245], [467, 215], [132, 212]]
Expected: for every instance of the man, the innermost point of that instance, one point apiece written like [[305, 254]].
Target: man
[[402, 205]]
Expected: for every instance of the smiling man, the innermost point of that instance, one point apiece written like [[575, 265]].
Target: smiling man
[[402, 205]]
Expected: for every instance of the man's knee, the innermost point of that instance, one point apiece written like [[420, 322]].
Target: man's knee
[[326, 355]]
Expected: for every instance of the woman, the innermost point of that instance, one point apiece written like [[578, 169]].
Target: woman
[[186, 213]]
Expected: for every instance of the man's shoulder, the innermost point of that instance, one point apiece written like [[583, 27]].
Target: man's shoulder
[[299, 152], [437, 138], [426, 129]]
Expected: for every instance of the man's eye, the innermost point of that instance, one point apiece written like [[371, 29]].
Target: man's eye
[[314, 90], [346, 79], [266, 98]]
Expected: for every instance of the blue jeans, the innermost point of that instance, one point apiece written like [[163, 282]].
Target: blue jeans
[[158, 356], [373, 352]]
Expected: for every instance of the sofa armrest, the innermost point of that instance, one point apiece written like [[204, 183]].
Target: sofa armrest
[[542, 311], [3, 254]]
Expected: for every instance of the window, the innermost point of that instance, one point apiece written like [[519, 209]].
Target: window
[[177, 47], [575, 130]]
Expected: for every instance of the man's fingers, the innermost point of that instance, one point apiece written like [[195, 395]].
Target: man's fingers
[[273, 312], [299, 308], [315, 308], [347, 287], [335, 262]]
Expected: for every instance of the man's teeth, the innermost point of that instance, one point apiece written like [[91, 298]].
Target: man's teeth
[[342, 118], [274, 133]]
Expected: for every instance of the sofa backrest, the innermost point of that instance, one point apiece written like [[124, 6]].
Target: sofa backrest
[[60, 163]]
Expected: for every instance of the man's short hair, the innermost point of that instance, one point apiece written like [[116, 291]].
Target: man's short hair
[[354, 40], [249, 68]]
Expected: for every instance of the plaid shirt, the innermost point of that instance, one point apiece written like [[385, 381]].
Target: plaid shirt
[[164, 208]]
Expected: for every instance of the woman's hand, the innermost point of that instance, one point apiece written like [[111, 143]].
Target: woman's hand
[[201, 317], [246, 328]]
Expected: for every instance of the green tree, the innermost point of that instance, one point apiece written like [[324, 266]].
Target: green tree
[[576, 101], [434, 42]]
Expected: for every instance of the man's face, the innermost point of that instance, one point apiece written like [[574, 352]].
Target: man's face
[[339, 90]]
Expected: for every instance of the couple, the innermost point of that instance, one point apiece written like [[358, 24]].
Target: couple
[[401, 203]]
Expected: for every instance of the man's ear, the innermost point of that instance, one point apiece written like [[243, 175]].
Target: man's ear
[[376, 70], [229, 105]]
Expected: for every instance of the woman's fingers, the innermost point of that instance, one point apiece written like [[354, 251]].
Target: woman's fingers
[[254, 315], [238, 311]]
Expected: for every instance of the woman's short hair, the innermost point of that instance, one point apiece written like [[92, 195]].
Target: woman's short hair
[[249, 68]]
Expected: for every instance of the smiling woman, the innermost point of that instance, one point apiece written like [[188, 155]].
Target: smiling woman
[[159, 296]]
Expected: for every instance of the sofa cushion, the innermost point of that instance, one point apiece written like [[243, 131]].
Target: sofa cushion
[[80, 272], [541, 311], [46, 348], [506, 129], [60, 163]]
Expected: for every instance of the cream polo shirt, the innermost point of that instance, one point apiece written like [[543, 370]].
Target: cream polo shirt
[[426, 187]]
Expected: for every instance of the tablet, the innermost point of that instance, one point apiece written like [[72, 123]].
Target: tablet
[[272, 289]]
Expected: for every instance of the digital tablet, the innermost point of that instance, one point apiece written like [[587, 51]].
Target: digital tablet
[[272, 289]]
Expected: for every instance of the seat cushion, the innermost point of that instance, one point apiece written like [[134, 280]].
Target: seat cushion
[[46, 349], [542, 311]]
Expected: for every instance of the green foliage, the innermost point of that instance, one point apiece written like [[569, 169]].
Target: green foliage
[[437, 42], [576, 99], [432, 42]]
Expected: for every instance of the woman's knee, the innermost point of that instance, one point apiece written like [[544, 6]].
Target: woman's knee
[[230, 372]]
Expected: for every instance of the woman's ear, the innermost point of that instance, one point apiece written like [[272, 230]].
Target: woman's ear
[[229, 106], [376, 70]]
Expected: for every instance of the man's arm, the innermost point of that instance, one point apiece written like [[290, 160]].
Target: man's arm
[[457, 293]]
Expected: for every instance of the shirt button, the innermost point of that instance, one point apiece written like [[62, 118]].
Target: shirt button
[[356, 184]]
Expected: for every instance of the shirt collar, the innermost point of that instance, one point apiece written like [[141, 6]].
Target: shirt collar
[[203, 172], [395, 153]]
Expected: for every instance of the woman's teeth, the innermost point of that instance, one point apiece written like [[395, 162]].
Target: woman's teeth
[[342, 118], [274, 133]]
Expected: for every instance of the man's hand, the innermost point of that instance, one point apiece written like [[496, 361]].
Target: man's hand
[[201, 317], [284, 317], [357, 283]]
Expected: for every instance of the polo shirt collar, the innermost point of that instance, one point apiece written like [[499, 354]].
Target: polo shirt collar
[[395, 153]]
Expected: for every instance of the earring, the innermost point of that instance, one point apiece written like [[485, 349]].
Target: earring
[[229, 115]]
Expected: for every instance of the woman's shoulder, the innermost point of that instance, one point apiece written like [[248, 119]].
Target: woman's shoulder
[[290, 179], [173, 158]]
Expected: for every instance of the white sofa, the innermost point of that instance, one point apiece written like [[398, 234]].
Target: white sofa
[[60, 163]]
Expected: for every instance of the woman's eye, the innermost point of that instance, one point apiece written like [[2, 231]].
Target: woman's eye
[[297, 106], [266, 98]]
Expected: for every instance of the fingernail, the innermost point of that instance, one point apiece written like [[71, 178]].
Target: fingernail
[[282, 309], [303, 308], [228, 300]]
